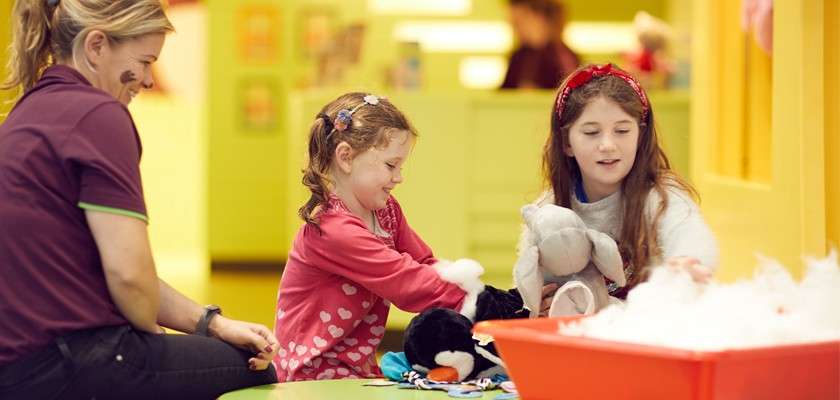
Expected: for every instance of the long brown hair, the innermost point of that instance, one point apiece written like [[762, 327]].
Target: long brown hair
[[371, 126], [43, 34], [651, 169]]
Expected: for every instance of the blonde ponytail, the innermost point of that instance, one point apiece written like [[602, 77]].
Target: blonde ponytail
[[29, 52]]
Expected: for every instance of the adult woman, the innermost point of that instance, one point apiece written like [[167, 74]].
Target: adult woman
[[80, 301]]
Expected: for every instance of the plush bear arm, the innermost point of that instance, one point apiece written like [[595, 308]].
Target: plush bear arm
[[528, 279]]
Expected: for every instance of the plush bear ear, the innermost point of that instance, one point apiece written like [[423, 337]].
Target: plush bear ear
[[606, 257]]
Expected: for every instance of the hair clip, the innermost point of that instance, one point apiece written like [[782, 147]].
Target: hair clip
[[344, 117], [343, 120], [371, 99]]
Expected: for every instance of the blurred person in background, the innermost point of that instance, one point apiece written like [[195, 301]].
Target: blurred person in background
[[541, 60]]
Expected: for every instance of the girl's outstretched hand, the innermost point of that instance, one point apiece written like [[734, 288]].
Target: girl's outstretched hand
[[699, 272]]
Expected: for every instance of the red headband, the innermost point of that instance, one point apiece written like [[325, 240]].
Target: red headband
[[581, 77]]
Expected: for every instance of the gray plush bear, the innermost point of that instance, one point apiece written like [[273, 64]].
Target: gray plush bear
[[561, 249]]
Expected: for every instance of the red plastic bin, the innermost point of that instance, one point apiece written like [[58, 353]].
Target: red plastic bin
[[547, 365]]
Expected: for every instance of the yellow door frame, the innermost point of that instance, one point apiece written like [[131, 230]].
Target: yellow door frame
[[783, 214]]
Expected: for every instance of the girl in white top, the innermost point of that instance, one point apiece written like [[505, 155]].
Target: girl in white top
[[603, 160]]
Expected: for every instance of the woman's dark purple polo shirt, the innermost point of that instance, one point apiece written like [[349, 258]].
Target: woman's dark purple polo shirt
[[65, 147]]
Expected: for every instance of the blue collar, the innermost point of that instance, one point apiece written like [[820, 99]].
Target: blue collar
[[579, 192]]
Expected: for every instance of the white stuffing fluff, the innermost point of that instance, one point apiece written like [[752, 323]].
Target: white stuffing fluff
[[671, 310]]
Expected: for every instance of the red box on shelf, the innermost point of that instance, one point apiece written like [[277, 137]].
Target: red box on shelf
[[547, 365]]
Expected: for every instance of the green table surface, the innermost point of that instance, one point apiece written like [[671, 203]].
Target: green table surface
[[338, 389]]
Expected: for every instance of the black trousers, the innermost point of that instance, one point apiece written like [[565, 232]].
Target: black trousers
[[120, 362]]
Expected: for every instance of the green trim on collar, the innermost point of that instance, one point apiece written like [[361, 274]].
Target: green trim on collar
[[111, 210]]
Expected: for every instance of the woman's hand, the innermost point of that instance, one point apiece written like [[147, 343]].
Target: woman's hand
[[699, 272], [547, 296], [255, 338]]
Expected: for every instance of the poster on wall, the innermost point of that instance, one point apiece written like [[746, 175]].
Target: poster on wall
[[315, 31], [258, 104], [258, 32]]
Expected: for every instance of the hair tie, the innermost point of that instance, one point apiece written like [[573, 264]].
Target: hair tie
[[327, 122], [52, 3], [583, 76]]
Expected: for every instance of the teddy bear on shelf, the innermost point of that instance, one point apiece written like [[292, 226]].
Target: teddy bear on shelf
[[558, 248], [650, 62]]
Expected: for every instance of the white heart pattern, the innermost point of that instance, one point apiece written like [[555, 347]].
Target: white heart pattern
[[327, 374], [365, 350], [282, 352], [301, 349], [325, 316], [332, 361], [320, 342], [374, 341], [283, 364], [315, 352], [386, 303], [365, 304], [342, 371], [370, 319], [280, 313], [307, 363], [348, 289], [351, 341], [337, 332], [377, 330], [317, 362], [354, 356], [292, 346], [294, 363], [344, 313], [339, 348]]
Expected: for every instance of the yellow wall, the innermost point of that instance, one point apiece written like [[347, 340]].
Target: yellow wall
[[173, 173], [832, 121]]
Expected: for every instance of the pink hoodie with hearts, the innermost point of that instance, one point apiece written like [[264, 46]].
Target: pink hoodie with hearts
[[337, 287]]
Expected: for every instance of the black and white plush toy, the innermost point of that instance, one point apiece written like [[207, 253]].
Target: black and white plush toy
[[440, 337]]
